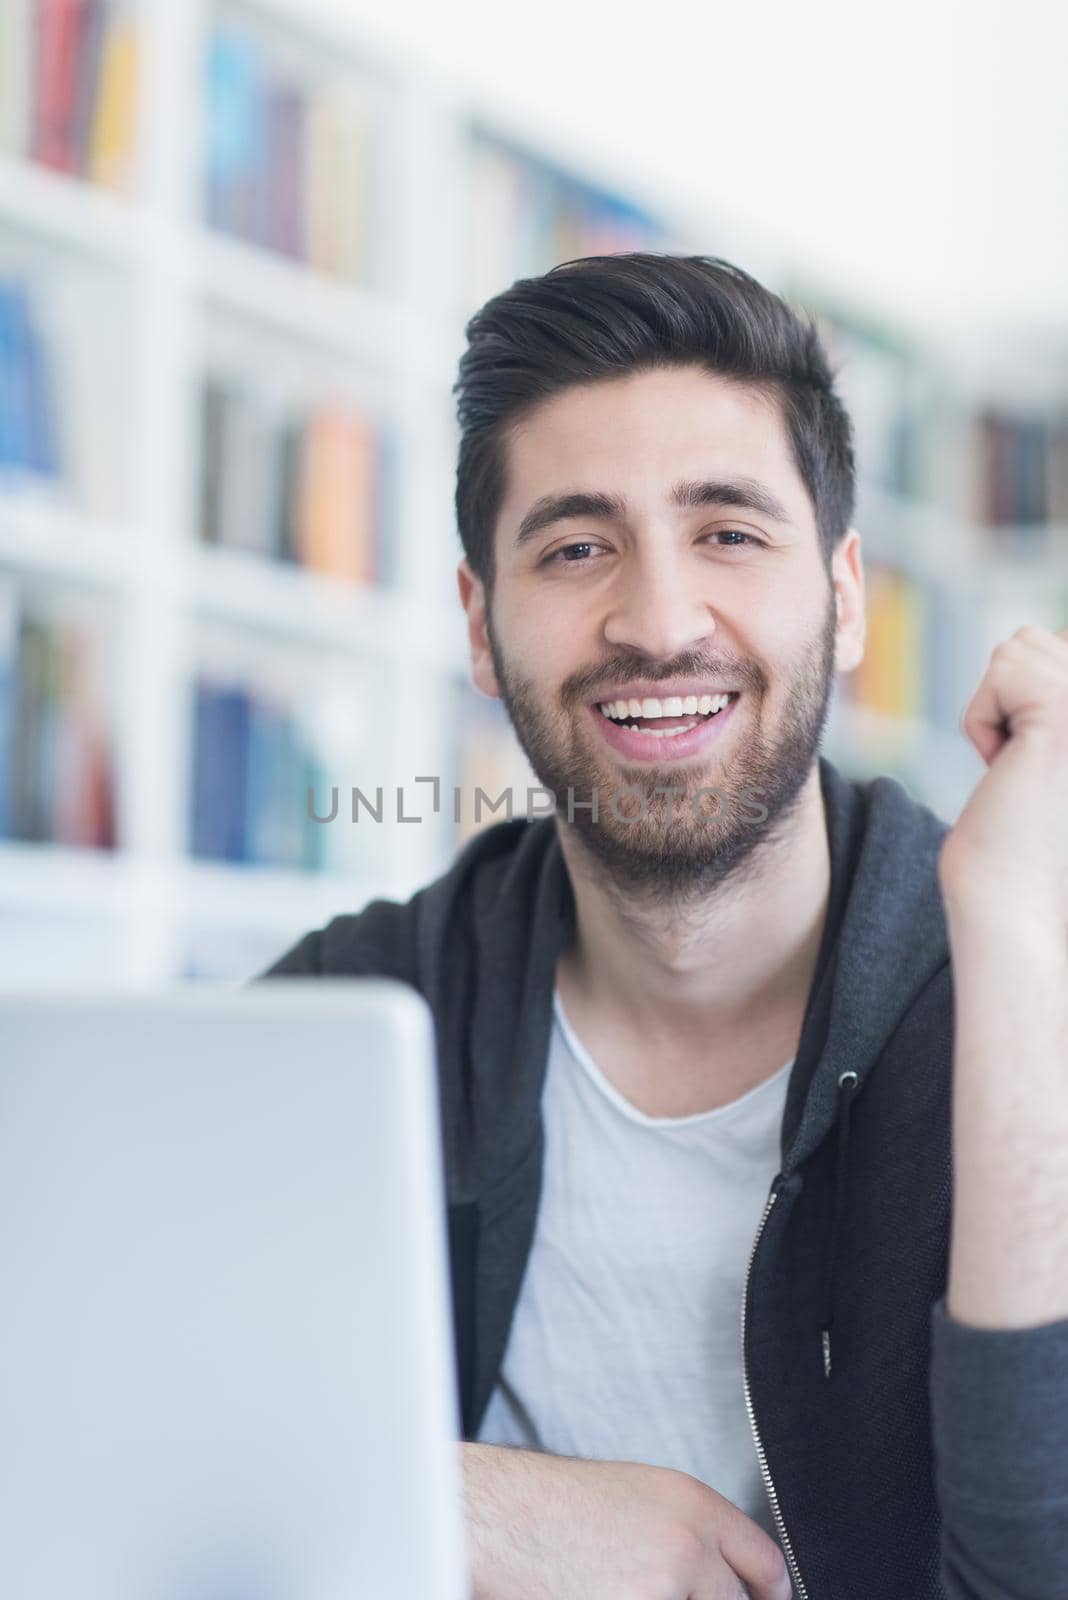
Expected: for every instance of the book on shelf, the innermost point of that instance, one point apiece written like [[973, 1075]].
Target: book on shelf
[[56, 768], [261, 766], [69, 86], [250, 768], [313, 487], [9, 651], [1001, 470], [889, 679], [527, 215], [29, 440], [488, 763], [929, 643], [1021, 477], [289, 157]]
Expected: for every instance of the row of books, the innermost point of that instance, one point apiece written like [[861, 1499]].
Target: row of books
[[69, 86], [997, 467], [251, 767], [1021, 472], [527, 215], [928, 644], [261, 784], [56, 776], [29, 441], [253, 763], [314, 488], [288, 163]]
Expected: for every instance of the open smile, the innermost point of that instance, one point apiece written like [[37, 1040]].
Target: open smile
[[667, 736]]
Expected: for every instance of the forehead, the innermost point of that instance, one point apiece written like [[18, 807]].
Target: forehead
[[638, 435]]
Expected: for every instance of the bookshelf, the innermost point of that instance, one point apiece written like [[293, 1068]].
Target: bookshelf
[[226, 470]]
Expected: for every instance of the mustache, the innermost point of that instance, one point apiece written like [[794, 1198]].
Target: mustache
[[584, 686]]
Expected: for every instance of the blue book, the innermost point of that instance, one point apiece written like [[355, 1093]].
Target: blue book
[[28, 435], [292, 796], [19, 339], [237, 708], [203, 790], [235, 132], [14, 398], [270, 791], [42, 442], [220, 771], [7, 381]]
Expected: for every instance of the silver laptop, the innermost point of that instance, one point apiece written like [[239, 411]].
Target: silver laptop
[[226, 1366]]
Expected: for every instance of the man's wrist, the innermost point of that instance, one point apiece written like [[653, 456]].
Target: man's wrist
[[981, 922]]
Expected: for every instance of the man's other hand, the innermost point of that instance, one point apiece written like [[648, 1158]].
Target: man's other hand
[[541, 1525]]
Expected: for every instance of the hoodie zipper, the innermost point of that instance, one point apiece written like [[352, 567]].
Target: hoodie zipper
[[791, 1559]]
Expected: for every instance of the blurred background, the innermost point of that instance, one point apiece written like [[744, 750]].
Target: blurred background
[[238, 244]]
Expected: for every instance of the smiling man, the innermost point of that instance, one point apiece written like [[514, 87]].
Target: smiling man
[[745, 1304]]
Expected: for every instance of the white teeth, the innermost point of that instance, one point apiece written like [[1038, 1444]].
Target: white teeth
[[670, 733], [670, 706]]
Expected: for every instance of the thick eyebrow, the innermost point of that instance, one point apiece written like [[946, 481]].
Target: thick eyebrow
[[744, 493]]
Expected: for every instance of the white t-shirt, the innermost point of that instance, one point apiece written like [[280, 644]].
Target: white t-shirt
[[626, 1340]]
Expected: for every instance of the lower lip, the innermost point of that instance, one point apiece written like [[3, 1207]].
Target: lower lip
[[638, 745]]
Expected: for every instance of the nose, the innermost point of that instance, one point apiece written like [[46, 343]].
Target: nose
[[655, 607]]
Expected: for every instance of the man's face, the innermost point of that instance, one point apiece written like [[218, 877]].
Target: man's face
[[631, 567]]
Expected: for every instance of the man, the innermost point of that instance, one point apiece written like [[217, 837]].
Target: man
[[745, 1303]]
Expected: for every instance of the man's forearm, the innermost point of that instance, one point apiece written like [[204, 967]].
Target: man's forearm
[[1008, 1265]]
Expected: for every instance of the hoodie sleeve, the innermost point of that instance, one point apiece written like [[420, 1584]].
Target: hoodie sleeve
[[999, 1418]]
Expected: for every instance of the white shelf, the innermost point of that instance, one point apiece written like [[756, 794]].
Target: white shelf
[[55, 541], [70, 212], [931, 544], [59, 878], [246, 894], [340, 317], [290, 601], [108, 884]]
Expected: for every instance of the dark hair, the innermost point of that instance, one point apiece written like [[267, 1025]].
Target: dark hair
[[606, 316]]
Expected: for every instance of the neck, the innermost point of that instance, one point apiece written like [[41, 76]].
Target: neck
[[743, 953]]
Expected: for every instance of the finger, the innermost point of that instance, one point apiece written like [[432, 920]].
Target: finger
[[721, 1585], [757, 1561]]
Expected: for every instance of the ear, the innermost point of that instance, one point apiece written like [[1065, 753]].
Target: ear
[[847, 576], [473, 600]]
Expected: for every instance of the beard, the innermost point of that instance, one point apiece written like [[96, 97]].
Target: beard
[[676, 848]]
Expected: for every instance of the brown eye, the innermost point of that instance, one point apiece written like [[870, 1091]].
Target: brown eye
[[559, 555], [733, 533]]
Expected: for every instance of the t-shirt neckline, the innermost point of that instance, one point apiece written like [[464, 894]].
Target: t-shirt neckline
[[632, 1112]]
